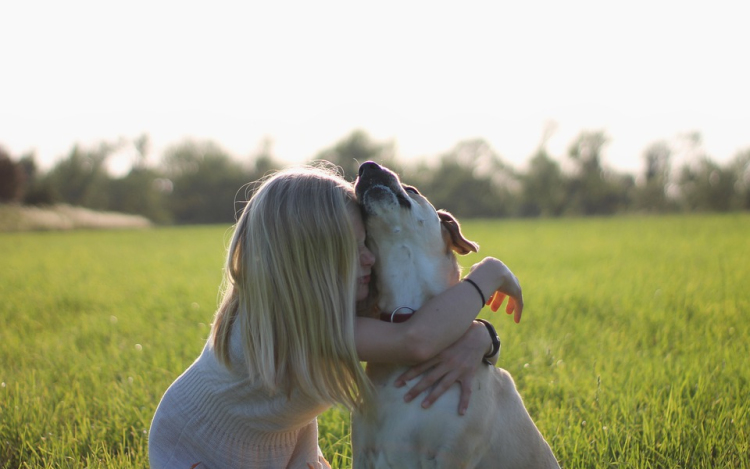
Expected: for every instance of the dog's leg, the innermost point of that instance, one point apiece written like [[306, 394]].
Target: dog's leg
[[516, 440]]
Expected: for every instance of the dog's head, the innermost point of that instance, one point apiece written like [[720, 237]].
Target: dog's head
[[414, 244]]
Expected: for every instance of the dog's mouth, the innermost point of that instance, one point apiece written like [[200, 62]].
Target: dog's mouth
[[377, 185]]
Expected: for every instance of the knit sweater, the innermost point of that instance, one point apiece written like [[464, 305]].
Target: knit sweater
[[214, 417]]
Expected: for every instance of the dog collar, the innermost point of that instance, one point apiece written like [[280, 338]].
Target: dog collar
[[396, 315]]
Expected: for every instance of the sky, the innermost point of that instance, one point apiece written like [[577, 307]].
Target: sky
[[424, 75]]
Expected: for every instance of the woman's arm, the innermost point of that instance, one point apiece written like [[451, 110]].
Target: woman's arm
[[440, 322]]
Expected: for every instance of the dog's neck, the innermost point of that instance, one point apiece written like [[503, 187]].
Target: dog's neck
[[407, 276]]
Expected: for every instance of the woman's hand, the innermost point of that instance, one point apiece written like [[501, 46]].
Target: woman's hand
[[456, 364], [492, 275], [514, 306]]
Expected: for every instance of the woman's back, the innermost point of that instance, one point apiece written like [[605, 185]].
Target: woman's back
[[222, 418]]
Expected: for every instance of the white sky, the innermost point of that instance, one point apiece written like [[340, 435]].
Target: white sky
[[424, 74]]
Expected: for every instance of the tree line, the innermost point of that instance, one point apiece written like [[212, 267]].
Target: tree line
[[199, 182]]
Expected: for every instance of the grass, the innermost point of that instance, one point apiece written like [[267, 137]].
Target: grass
[[632, 349], [631, 353]]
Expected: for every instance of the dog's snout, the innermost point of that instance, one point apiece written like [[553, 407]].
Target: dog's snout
[[368, 166], [373, 176]]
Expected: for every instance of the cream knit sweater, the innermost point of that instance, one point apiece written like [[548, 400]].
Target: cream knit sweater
[[212, 417]]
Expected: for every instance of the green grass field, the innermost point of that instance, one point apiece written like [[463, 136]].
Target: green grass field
[[632, 352]]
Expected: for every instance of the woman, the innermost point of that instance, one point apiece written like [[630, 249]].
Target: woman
[[286, 344]]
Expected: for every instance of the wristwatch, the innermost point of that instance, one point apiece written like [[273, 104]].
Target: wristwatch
[[495, 341]]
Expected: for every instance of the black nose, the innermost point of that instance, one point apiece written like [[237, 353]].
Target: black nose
[[368, 165]]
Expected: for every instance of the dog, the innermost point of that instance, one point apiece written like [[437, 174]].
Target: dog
[[414, 246]]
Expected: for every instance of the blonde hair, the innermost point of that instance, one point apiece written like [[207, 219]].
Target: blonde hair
[[290, 286]]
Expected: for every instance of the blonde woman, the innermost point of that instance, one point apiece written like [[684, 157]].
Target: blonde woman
[[286, 343]]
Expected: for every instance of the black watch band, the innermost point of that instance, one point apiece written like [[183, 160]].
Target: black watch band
[[495, 341]]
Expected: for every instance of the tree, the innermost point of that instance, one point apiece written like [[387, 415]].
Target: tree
[[705, 186], [205, 181], [140, 192], [81, 178], [263, 161], [357, 148], [740, 166], [542, 187], [38, 190], [592, 190], [12, 178], [702, 184], [471, 181], [651, 195]]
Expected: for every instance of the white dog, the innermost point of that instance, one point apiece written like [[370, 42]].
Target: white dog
[[414, 245]]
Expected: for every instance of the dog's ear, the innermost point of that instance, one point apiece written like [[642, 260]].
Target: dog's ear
[[455, 240]]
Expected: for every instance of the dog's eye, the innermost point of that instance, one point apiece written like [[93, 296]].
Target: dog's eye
[[411, 189]]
